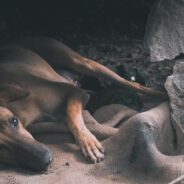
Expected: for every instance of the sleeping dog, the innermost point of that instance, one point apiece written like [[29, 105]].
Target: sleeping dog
[[31, 90]]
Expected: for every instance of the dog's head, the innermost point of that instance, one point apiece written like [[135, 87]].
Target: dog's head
[[17, 146]]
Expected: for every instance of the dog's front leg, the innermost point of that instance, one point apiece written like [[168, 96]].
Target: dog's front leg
[[90, 146]]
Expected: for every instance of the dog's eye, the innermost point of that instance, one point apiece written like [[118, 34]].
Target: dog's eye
[[14, 122]]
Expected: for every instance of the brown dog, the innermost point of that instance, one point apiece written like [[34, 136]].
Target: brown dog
[[31, 91]]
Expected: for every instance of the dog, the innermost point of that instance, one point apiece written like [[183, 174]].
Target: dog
[[31, 91]]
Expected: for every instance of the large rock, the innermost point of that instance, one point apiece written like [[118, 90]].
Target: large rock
[[175, 88], [165, 30]]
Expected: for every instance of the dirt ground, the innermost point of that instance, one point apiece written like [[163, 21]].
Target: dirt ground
[[69, 165]]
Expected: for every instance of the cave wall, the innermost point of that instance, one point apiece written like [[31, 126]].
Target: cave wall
[[71, 18]]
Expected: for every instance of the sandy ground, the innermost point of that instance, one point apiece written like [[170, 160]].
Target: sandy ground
[[68, 165]]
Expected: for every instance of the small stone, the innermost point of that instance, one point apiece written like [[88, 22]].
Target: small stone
[[67, 164]]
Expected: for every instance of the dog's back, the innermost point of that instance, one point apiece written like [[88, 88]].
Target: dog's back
[[17, 61]]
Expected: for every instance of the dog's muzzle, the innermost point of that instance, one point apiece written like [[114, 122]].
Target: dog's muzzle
[[35, 157]]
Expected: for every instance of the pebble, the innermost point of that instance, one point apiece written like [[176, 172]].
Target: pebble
[[67, 164]]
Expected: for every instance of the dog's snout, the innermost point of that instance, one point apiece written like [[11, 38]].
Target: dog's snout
[[38, 158], [46, 160], [43, 160]]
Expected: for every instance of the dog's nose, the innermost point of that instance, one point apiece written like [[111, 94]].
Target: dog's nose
[[45, 160], [39, 160]]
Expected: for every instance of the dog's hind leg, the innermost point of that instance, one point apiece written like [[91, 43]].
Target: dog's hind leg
[[47, 127], [100, 131], [103, 130], [56, 53]]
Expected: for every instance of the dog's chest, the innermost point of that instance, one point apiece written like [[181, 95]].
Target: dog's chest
[[57, 115]]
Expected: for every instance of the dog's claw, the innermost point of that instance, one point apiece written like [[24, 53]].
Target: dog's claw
[[102, 150], [90, 146]]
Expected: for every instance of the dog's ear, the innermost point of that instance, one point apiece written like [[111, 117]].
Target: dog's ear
[[10, 92]]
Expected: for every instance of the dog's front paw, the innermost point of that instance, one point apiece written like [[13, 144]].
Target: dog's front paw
[[90, 146]]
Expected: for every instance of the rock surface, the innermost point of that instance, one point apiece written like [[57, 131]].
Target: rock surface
[[175, 88], [164, 36]]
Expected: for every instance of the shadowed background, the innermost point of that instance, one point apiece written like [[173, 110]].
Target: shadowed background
[[73, 20]]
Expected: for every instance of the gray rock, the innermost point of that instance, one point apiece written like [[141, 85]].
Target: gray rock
[[164, 36], [175, 88]]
